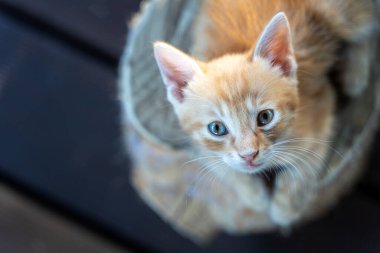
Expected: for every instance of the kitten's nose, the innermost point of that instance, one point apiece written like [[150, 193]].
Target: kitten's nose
[[250, 156]]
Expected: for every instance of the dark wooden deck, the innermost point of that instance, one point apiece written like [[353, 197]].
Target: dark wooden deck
[[63, 175]]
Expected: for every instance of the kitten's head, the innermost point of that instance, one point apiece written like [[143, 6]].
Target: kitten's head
[[237, 106]]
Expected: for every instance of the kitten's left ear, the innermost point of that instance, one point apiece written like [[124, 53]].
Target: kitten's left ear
[[177, 70], [275, 45]]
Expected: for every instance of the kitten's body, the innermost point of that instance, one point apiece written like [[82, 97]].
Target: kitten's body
[[239, 81]]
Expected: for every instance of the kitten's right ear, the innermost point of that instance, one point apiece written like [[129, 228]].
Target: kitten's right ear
[[275, 45], [176, 68]]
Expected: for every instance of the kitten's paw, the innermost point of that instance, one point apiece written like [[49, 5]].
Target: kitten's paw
[[252, 193], [287, 206], [283, 216]]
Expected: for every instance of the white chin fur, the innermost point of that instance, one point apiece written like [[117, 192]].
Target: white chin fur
[[242, 168]]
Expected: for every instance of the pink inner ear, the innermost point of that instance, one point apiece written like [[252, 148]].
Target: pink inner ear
[[178, 94], [177, 69], [275, 45], [279, 52], [178, 80], [177, 89]]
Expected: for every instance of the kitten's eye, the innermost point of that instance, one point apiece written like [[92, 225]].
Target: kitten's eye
[[217, 128], [265, 117]]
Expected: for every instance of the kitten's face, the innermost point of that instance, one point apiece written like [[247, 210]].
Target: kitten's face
[[237, 106], [238, 109]]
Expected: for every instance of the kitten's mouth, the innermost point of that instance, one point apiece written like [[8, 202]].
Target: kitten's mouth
[[251, 165], [253, 168], [266, 174]]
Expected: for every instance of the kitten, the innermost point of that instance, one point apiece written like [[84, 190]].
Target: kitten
[[261, 98]]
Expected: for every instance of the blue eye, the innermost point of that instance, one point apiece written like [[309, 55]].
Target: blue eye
[[265, 117], [217, 128]]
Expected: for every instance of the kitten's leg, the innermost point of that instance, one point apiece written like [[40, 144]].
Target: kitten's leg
[[240, 203], [290, 200], [295, 190], [251, 191]]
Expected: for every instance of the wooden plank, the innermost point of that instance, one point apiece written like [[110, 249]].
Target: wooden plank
[[102, 23], [62, 139], [27, 227], [354, 226], [370, 184]]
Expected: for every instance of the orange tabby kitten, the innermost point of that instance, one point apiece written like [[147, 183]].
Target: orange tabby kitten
[[260, 99]]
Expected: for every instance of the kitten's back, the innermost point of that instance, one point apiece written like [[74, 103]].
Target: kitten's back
[[234, 26]]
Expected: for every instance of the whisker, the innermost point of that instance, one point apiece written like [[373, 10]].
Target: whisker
[[309, 166], [200, 158], [203, 173], [310, 140], [299, 172], [306, 139], [301, 149], [282, 171]]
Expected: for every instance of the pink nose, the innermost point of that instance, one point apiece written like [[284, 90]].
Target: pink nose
[[249, 157]]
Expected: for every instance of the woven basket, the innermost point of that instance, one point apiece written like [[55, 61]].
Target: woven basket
[[159, 148]]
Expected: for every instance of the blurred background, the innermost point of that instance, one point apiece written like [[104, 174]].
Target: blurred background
[[64, 178]]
